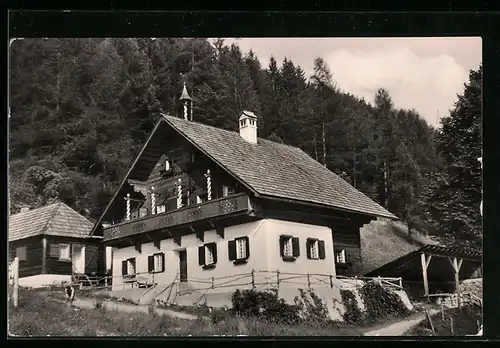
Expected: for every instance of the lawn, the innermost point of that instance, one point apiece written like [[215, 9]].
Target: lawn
[[41, 315], [464, 323]]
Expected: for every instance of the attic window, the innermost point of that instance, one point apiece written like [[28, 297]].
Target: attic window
[[167, 165]]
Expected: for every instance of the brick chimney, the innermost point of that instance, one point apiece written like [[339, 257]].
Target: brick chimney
[[248, 126]]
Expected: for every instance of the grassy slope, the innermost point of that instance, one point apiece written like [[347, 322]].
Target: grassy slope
[[383, 242], [464, 323], [38, 315]]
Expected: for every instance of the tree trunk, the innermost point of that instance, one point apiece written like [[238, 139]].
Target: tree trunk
[[315, 148], [324, 142], [386, 195]]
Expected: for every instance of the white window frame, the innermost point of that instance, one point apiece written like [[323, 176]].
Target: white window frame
[[63, 257], [157, 262], [340, 256], [314, 250], [209, 255], [241, 249], [131, 267], [288, 247], [227, 190], [160, 209], [22, 253]]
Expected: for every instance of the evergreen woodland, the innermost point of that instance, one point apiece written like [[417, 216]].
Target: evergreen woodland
[[80, 110]]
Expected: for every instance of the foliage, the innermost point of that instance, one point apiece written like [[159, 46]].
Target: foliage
[[454, 194], [379, 304], [466, 321], [352, 312], [264, 304], [38, 315], [311, 307]]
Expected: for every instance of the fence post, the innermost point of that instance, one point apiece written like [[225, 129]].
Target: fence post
[[401, 282], [331, 281], [213, 282], [106, 281], [379, 281], [15, 293], [308, 281], [278, 279], [451, 325], [253, 279]]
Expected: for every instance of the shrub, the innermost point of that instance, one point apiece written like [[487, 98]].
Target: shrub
[[311, 307], [264, 304], [352, 312], [380, 303]]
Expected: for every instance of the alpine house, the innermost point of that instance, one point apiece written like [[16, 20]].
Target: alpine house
[[201, 202]]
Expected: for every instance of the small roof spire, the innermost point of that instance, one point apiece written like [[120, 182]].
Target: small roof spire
[[185, 94]]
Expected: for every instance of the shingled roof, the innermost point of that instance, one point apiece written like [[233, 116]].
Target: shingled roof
[[56, 220], [277, 170]]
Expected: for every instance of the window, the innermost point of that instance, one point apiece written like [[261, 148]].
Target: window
[[198, 200], [128, 267], [60, 251], [207, 255], [289, 248], [239, 250], [315, 249], [143, 212], [167, 165], [21, 253], [156, 263], [340, 256], [227, 190], [160, 209]]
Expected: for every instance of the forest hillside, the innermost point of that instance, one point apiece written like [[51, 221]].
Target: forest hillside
[[80, 109]]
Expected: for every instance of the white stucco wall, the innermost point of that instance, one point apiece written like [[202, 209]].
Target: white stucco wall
[[264, 256], [43, 280]]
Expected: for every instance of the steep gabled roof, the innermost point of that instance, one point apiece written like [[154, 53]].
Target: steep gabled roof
[[268, 169], [276, 170], [56, 220]]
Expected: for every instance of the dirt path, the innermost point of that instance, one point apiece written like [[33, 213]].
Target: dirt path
[[399, 328], [88, 303]]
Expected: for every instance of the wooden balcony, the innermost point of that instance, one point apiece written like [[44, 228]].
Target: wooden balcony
[[210, 211]]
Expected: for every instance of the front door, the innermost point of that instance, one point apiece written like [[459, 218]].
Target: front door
[[183, 265]]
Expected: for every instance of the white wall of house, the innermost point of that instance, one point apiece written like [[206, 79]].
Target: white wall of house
[[43, 280], [264, 256]]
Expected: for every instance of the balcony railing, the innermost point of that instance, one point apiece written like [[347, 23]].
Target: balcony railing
[[211, 209]]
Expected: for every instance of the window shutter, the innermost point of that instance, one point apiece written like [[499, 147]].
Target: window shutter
[[151, 263], [308, 248], [163, 262], [214, 251], [54, 250], [282, 245], [295, 246], [231, 246], [201, 255], [247, 243], [321, 249], [124, 267]]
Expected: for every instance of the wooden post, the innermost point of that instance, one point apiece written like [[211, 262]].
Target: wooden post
[[213, 282], [253, 279], [451, 326], [379, 281], [15, 293], [442, 311], [331, 282], [429, 319], [457, 264], [308, 281], [278, 279], [44, 255], [425, 264]]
